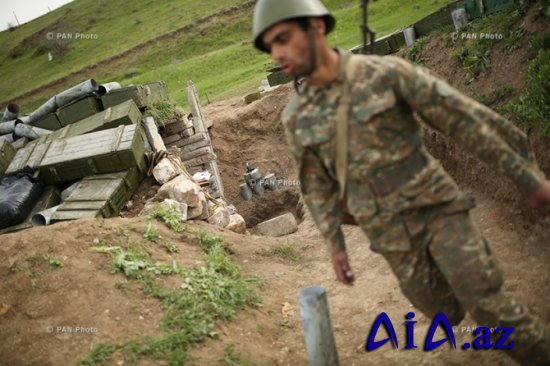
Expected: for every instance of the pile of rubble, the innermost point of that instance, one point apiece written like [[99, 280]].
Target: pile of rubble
[[83, 153]]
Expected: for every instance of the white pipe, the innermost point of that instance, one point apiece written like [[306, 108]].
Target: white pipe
[[28, 131], [43, 218], [107, 87], [11, 112], [321, 347], [63, 98]]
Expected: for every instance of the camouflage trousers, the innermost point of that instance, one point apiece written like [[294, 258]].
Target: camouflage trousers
[[450, 268]]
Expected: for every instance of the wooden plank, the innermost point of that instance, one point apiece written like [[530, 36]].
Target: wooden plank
[[7, 153], [196, 153], [98, 152], [78, 110], [194, 146], [49, 122], [151, 130], [143, 95], [200, 161], [101, 195], [171, 139]]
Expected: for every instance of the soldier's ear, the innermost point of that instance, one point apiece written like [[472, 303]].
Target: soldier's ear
[[318, 25]]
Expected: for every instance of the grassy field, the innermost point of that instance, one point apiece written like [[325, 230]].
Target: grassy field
[[217, 55]]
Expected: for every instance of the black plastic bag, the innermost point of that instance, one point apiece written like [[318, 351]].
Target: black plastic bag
[[18, 195]]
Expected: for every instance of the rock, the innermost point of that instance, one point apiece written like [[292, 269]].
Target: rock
[[237, 224], [150, 207], [181, 189], [220, 217], [200, 211], [165, 171], [278, 226], [252, 97], [181, 206]]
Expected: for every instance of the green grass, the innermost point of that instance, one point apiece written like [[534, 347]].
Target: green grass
[[98, 355], [206, 296], [285, 252], [532, 108], [170, 216], [234, 358], [217, 56], [474, 55]]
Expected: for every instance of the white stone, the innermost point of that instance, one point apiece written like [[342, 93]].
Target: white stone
[[181, 189], [199, 211], [278, 226], [181, 206], [220, 217], [165, 171], [237, 224]]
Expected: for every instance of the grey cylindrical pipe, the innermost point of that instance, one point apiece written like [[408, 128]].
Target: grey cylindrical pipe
[[43, 110], [7, 127], [11, 112], [77, 91], [63, 98], [67, 191], [410, 36], [24, 119], [8, 138], [107, 87], [43, 218], [30, 132], [321, 347]]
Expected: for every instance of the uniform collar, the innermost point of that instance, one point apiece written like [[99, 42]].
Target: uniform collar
[[311, 90]]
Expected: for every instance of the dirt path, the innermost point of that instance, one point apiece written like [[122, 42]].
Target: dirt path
[[261, 338]]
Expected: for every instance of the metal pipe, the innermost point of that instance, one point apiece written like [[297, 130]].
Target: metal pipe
[[107, 87], [8, 138], [7, 127], [43, 110], [31, 132], [77, 91], [43, 218], [63, 98], [67, 191], [11, 112], [321, 347]]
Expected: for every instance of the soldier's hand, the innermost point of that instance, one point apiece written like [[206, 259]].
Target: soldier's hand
[[342, 268], [541, 196]]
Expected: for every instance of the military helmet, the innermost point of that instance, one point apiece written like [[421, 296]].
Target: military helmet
[[271, 12]]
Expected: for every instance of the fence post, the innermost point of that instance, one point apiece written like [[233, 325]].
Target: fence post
[[320, 344]]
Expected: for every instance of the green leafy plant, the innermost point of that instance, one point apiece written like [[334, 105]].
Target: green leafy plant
[[170, 216], [533, 107], [151, 233], [98, 355], [283, 251]]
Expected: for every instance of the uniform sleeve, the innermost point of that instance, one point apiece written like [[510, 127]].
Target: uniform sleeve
[[477, 128], [321, 194]]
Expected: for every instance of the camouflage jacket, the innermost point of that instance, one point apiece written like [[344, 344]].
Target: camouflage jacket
[[383, 133]]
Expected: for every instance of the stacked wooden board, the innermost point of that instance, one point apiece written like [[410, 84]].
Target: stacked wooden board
[[101, 195]]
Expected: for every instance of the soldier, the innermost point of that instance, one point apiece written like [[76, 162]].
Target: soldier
[[360, 156]]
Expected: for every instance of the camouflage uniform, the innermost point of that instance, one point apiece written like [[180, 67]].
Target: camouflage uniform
[[410, 209]]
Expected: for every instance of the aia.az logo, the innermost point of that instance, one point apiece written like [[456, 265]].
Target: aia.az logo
[[485, 339]]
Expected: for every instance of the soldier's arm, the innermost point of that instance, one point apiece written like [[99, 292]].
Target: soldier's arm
[[474, 126], [321, 196]]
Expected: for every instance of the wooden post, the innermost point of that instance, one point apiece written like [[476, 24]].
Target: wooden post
[[321, 348]]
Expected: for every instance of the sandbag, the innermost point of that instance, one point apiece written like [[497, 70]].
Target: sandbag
[[18, 195]]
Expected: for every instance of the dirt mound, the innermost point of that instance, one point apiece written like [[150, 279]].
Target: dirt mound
[[254, 133]]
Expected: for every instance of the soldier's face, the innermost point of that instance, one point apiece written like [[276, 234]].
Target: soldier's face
[[289, 46]]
